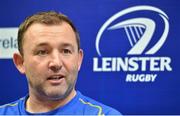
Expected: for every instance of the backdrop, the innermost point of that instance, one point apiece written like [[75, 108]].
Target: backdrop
[[131, 49]]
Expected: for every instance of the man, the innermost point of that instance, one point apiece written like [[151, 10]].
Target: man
[[50, 57]]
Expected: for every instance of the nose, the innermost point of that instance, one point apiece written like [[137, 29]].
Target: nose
[[55, 63]]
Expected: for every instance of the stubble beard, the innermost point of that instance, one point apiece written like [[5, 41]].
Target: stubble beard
[[43, 93]]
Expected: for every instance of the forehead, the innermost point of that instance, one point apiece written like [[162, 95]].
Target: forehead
[[40, 32], [40, 29]]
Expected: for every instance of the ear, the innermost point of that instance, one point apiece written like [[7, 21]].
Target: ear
[[80, 58], [18, 61]]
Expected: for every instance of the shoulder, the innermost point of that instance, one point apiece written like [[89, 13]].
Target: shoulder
[[11, 108], [93, 106]]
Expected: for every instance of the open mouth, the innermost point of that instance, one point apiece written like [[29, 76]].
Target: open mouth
[[54, 77]]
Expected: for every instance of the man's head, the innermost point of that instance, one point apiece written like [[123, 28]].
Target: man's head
[[50, 55], [47, 18]]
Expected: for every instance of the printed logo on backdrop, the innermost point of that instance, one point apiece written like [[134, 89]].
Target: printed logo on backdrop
[[129, 41], [8, 42]]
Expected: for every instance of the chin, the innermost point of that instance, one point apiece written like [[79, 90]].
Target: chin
[[58, 95], [55, 95]]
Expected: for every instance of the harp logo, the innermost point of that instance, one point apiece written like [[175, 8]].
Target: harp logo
[[139, 31]]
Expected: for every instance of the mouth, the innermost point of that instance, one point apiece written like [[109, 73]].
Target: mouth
[[55, 79]]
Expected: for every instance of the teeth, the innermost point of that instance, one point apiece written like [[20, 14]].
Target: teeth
[[54, 77]]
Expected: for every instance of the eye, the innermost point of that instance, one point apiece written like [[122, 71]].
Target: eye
[[42, 52], [66, 51]]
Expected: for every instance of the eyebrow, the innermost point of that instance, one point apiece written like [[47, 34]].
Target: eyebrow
[[67, 45], [62, 45], [42, 44]]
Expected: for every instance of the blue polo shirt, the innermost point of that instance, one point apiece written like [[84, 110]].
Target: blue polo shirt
[[79, 105]]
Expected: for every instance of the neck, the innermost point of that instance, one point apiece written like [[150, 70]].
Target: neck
[[36, 104]]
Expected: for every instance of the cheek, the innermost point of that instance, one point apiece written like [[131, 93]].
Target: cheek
[[73, 70], [71, 66], [35, 64], [34, 70]]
